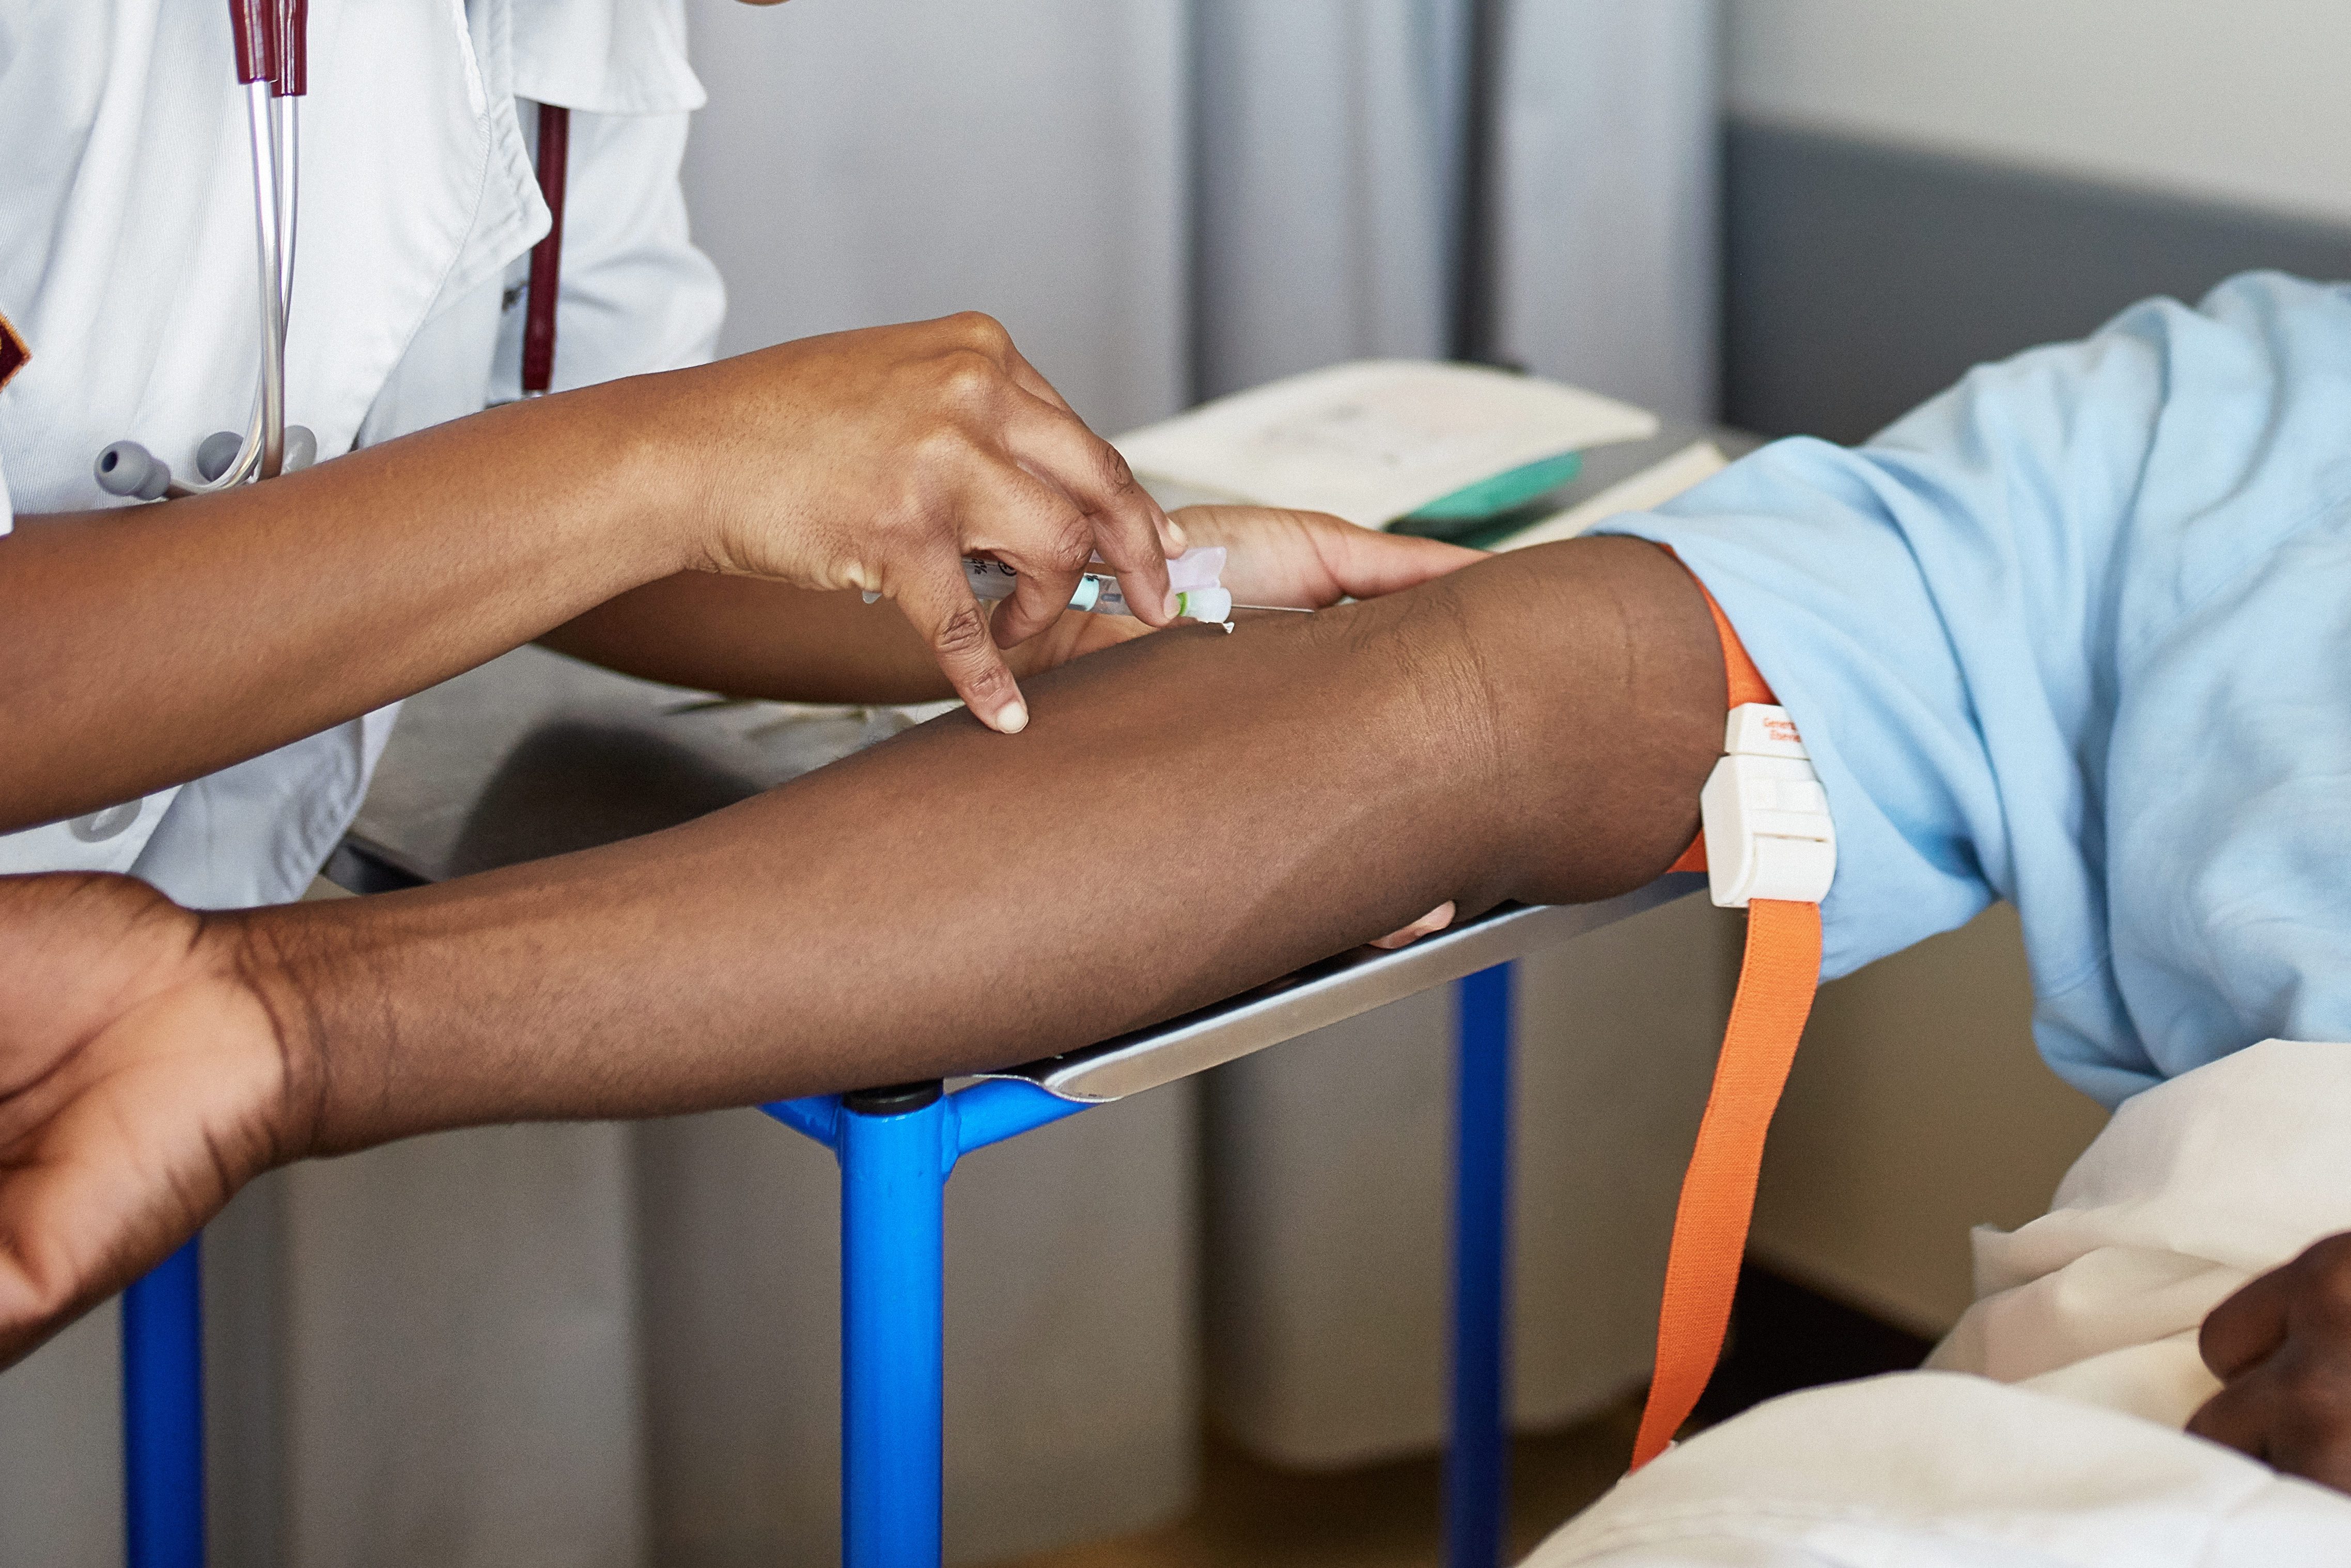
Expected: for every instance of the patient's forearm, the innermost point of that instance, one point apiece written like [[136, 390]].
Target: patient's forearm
[[1186, 816]]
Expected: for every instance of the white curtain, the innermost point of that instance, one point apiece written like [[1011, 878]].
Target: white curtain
[[614, 1345], [1605, 252], [865, 160], [1328, 187], [1327, 140], [1167, 201]]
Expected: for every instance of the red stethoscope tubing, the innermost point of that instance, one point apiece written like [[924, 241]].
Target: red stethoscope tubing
[[547, 256], [273, 44], [273, 39]]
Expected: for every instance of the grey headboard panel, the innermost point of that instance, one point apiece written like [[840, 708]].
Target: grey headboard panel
[[1860, 278]]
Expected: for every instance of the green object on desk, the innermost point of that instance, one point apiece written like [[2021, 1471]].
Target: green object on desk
[[1502, 493]]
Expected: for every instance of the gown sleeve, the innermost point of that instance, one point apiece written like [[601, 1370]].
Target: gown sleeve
[[1934, 608]]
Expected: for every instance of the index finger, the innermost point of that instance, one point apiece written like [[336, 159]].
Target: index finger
[[1031, 379], [1131, 533], [938, 601], [2247, 1327]]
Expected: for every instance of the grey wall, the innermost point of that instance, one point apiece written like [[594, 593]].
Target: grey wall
[[2239, 102], [1862, 276]]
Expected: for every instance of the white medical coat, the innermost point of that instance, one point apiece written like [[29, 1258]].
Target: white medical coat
[[127, 265]]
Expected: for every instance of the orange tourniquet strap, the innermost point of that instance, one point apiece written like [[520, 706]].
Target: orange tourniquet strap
[[1746, 685], [1776, 982]]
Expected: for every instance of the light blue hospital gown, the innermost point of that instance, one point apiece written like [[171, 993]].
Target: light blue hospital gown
[[2077, 635]]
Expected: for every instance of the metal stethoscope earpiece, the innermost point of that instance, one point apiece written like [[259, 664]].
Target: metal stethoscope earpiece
[[272, 62], [127, 469], [220, 450]]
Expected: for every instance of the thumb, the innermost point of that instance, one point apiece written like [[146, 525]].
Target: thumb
[[1365, 563]]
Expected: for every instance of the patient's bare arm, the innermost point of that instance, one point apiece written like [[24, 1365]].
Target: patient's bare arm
[[1188, 815]]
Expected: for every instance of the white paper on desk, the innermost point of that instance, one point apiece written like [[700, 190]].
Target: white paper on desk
[[1652, 487], [1376, 439]]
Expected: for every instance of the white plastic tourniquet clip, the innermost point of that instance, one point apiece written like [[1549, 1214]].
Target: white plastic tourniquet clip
[[1768, 833]]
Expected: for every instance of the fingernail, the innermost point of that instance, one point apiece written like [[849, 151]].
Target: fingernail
[[1012, 717], [1175, 602], [1176, 536]]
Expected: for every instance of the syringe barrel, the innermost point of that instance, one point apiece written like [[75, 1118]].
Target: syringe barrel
[[991, 580]]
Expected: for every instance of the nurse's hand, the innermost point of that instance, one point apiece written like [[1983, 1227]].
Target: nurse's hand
[[878, 459], [139, 1087], [2282, 1349]]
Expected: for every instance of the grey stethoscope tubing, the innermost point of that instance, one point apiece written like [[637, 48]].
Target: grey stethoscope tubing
[[271, 65]]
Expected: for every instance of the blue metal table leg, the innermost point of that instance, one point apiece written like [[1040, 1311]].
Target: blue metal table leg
[[893, 1151], [1477, 1464], [163, 1414], [897, 1147]]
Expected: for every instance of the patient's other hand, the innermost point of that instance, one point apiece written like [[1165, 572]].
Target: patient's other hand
[[140, 1085], [2282, 1349], [1428, 925]]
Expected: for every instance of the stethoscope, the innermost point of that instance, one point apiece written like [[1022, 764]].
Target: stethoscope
[[272, 64]]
